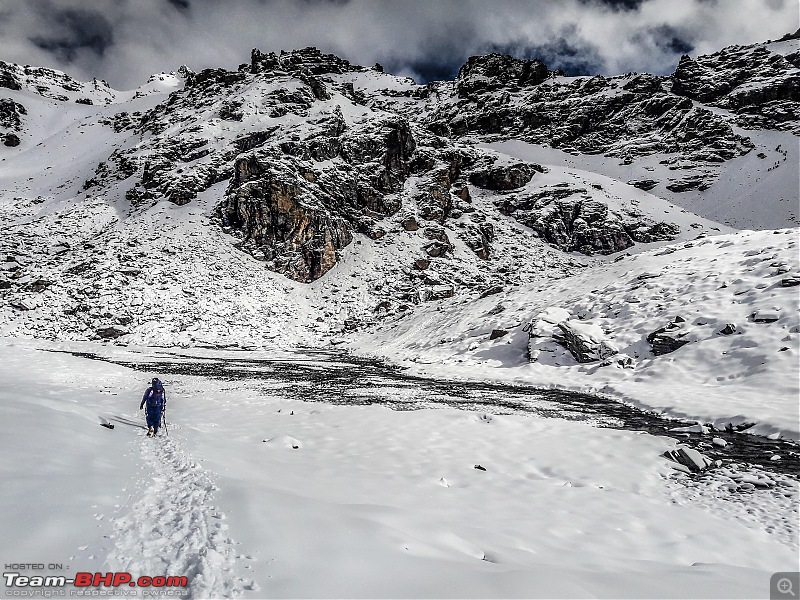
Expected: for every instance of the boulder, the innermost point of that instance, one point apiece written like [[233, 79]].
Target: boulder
[[644, 184], [410, 223], [497, 333], [422, 263], [689, 458], [790, 281], [504, 178], [766, 316], [669, 338], [440, 292], [111, 332], [437, 249], [545, 324], [585, 341]]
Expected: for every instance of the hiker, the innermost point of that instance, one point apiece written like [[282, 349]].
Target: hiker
[[154, 402]]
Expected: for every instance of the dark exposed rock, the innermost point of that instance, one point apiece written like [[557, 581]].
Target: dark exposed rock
[[497, 333], [478, 238], [11, 114], [790, 281], [689, 457], [7, 79], [765, 316], [409, 223], [253, 140], [111, 332], [644, 184], [503, 178], [281, 221], [668, 338], [567, 217], [11, 140], [619, 116], [495, 289], [492, 71], [728, 329], [586, 342], [437, 249], [436, 233], [306, 60], [422, 263], [695, 182], [440, 292], [761, 87]]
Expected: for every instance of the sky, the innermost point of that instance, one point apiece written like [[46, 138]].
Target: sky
[[125, 41]]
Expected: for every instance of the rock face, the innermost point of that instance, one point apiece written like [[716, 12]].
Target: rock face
[[567, 217], [625, 116], [295, 216], [761, 87], [494, 71]]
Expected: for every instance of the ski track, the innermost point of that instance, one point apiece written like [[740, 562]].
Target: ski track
[[174, 528]]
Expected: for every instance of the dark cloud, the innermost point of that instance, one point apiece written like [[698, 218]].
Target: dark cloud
[[424, 71], [621, 5], [180, 4], [74, 29], [670, 39], [568, 52]]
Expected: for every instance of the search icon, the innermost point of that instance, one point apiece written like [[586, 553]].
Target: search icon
[[785, 587]]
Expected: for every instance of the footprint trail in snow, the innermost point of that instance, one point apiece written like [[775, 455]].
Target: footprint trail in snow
[[174, 528]]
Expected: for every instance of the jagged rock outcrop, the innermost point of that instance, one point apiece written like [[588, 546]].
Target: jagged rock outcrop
[[295, 215], [282, 222], [761, 87], [569, 218], [625, 116], [494, 71]]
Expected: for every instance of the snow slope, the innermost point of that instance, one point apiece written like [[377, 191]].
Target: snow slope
[[749, 376], [256, 495]]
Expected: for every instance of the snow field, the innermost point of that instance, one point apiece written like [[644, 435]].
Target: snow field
[[257, 495]]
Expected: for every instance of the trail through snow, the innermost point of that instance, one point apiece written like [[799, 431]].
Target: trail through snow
[[174, 528]]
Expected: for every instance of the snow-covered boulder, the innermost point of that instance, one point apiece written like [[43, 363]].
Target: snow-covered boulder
[[670, 337], [586, 342], [545, 323], [689, 458]]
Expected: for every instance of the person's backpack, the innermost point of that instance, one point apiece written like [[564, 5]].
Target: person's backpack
[[157, 397]]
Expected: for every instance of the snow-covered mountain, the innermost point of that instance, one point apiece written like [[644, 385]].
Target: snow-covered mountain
[[301, 197], [635, 237]]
